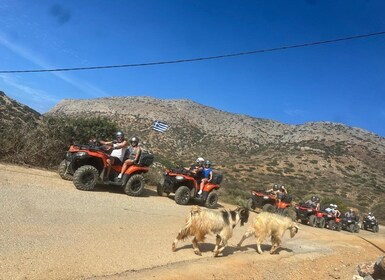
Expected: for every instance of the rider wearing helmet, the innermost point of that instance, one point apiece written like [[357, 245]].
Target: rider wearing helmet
[[370, 216], [350, 214], [119, 147], [313, 202], [207, 174], [197, 167], [133, 155]]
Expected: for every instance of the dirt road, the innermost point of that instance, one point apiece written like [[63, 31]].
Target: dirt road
[[50, 230]]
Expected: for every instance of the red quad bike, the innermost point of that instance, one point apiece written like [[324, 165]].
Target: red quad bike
[[269, 203], [333, 222], [86, 165], [310, 215], [186, 186]]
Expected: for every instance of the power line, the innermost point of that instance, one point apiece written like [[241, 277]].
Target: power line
[[200, 58]]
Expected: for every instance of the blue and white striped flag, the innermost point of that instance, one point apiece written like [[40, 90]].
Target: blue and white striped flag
[[159, 126]]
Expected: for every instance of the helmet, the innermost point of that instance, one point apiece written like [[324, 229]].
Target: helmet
[[317, 199], [282, 187], [119, 134], [275, 187], [200, 160], [134, 140], [208, 163], [370, 213], [350, 210], [313, 198]]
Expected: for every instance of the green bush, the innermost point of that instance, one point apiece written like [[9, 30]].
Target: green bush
[[45, 143]]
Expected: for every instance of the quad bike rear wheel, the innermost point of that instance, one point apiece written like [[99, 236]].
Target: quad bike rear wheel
[[212, 199], [351, 227], [85, 177], [134, 185], [62, 171], [182, 195]]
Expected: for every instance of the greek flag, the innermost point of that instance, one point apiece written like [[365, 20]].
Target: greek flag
[[159, 126]]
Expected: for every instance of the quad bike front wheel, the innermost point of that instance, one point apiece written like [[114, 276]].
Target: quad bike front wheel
[[375, 228], [160, 188], [62, 169], [134, 185], [268, 208], [212, 199], [312, 220], [182, 195], [250, 204], [85, 178]]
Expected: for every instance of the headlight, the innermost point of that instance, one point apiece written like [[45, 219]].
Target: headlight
[[265, 197], [81, 154], [309, 210], [68, 156], [179, 177]]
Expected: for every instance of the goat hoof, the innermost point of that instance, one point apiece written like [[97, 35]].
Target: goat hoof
[[173, 248], [198, 253]]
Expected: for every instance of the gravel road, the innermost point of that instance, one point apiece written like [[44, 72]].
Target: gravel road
[[50, 230]]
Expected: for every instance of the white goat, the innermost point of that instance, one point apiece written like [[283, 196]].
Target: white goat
[[268, 224], [205, 221]]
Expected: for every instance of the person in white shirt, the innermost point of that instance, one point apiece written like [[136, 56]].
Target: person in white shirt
[[119, 149]]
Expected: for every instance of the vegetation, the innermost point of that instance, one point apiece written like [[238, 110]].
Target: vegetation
[[44, 144]]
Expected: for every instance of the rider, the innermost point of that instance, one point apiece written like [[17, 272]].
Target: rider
[[371, 217], [332, 209], [207, 174], [197, 167], [350, 214], [133, 155], [282, 193], [274, 190], [119, 147], [313, 202]]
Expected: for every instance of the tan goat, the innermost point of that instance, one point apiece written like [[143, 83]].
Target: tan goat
[[268, 224], [205, 221]]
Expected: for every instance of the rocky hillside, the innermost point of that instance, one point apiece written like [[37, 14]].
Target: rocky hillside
[[13, 112], [330, 159]]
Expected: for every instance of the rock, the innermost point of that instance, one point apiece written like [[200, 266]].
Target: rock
[[379, 268]]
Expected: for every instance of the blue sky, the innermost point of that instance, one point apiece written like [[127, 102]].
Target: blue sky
[[341, 82]]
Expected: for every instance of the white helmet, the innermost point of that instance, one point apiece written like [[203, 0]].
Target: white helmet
[[200, 160]]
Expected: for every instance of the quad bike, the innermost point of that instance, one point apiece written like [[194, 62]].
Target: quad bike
[[350, 224], [306, 213], [333, 222], [86, 165], [370, 225], [269, 203], [310, 215], [185, 185]]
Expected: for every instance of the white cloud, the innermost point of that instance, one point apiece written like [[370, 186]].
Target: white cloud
[[85, 87]]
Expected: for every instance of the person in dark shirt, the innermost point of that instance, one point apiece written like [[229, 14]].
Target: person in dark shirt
[[207, 174]]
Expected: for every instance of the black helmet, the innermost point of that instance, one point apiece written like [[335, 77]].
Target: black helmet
[[275, 187], [134, 140], [208, 163], [313, 198], [119, 134]]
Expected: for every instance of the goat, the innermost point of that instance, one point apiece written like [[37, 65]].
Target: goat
[[205, 221], [268, 224]]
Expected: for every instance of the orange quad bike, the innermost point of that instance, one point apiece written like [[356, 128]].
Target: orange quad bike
[[86, 166], [269, 203], [185, 185]]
